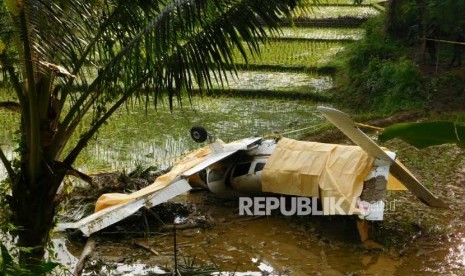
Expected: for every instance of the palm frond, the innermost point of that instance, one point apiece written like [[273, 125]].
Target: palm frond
[[185, 42], [180, 45], [109, 46]]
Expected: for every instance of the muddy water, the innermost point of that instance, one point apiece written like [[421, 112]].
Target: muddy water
[[275, 244], [417, 240], [279, 244]]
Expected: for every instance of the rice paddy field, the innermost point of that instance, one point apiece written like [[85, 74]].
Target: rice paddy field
[[294, 53], [279, 81], [156, 136], [322, 33], [148, 136], [163, 136], [346, 2], [336, 11]]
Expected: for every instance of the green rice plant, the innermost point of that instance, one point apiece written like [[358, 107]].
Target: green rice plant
[[327, 12], [295, 53], [303, 94], [156, 136], [322, 33], [345, 2], [278, 81]]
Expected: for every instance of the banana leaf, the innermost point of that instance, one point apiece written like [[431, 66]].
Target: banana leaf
[[422, 135]]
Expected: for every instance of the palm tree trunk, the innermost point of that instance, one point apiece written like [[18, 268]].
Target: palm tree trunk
[[422, 26], [33, 127], [391, 16], [34, 208]]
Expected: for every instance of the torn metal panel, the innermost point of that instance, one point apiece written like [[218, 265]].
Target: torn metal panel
[[111, 215]]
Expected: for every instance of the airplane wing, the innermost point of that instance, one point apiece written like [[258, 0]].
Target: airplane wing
[[108, 216], [343, 122], [221, 152], [178, 185]]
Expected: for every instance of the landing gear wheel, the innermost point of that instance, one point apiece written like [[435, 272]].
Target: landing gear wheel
[[199, 134]]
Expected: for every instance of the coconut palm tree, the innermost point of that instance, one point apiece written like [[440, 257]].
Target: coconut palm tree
[[65, 59]]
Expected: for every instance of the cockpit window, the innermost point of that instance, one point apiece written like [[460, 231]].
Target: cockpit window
[[203, 175], [241, 169], [259, 167]]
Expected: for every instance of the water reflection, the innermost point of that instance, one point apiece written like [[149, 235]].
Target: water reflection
[[121, 269], [263, 266], [279, 81], [159, 137]]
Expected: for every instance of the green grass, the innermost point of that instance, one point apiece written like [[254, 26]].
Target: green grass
[[375, 74]]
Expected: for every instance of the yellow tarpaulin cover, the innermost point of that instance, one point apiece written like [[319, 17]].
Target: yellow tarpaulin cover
[[295, 168], [394, 184], [188, 162], [317, 170]]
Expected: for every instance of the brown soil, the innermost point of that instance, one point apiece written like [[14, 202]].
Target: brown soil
[[447, 94], [334, 135]]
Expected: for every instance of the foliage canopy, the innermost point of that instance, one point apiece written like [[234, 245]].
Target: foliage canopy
[[61, 60]]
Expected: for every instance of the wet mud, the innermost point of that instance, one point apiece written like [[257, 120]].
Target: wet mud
[[211, 236]]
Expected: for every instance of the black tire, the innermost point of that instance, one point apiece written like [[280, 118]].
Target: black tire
[[199, 134]]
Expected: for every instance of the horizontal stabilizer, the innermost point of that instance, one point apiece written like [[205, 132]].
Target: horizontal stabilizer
[[344, 123]]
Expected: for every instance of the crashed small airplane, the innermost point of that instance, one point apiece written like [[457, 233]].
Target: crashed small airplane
[[257, 166]]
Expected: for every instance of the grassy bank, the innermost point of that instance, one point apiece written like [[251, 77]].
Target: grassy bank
[[377, 75], [386, 72]]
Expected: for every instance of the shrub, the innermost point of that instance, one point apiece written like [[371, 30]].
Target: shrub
[[375, 74]]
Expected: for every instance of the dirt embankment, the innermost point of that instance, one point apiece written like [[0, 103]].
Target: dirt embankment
[[334, 135]]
